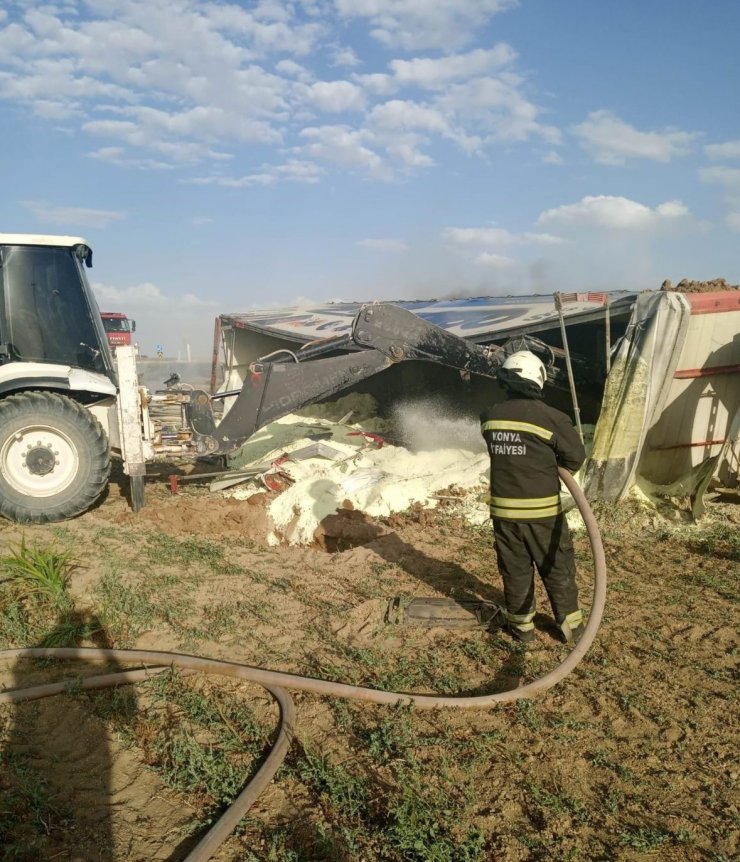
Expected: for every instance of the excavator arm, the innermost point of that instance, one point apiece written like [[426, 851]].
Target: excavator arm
[[381, 335]]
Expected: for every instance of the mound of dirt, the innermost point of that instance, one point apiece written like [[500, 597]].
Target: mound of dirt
[[688, 286], [347, 529], [209, 517]]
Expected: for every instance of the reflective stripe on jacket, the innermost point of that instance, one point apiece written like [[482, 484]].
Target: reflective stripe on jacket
[[527, 441]]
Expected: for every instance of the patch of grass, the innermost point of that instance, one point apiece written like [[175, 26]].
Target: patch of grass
[[717, 540], [628, 700], [413, 817], [187, 765], [644, 840], [15, 627], [200, 739], [228, 718], [341, 790], [423, 821], [555, 798], [125, 610], [29, 809], [526, 712], [36, 608], [276, 849], [166, 550], [392, 736], [603, 759], [39, 572]]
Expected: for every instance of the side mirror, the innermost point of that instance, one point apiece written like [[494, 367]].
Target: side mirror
[[133, 326]]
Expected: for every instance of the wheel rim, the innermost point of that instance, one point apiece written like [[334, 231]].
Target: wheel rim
[[39, 460]]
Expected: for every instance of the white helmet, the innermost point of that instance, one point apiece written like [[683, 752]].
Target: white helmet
[[526, 365]]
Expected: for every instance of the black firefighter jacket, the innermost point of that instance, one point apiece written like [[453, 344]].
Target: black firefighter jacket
[[527, 441]]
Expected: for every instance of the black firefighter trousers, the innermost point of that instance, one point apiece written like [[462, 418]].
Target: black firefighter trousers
[[547, 545]]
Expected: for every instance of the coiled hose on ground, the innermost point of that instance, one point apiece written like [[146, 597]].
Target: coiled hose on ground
[[276, 682]]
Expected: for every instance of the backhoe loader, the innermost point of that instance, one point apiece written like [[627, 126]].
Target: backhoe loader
[[67, 407]]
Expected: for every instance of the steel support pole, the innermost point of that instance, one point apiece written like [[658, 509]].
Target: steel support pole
[[569, 366]]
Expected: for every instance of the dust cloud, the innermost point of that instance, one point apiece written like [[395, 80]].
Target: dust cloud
[[433, 423]]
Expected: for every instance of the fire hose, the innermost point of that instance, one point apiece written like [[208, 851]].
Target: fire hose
[[276, 682]]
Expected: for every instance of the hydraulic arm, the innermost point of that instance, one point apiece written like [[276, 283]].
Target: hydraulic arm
[[381, 335]]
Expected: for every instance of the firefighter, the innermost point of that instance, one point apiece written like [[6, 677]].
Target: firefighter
[[527, 441]]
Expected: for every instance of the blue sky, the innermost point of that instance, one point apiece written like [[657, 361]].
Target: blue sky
[[222, 156]]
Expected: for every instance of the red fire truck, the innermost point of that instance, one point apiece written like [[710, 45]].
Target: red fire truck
[[118, 328]]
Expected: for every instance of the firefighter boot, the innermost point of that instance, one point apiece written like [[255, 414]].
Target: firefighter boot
[[572, 627], [521, 627]]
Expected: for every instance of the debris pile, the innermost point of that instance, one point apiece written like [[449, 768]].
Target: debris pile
[[326, 471], [688, 286]]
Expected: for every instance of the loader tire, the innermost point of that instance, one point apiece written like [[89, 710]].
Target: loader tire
[[54, 458]]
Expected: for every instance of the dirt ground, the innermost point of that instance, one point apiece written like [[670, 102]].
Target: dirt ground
[[633, 757]]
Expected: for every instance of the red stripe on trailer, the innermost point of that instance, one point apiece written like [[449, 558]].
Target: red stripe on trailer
[[711, 303], [690, 445], [712, 371]]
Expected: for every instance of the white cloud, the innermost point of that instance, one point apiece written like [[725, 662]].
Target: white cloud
[[137, 297], [398, 114], [344, 146], [394, 245], [411, 24], [56, 110], [611, 141], [435, 72], [117, 156], [346, 57], [728, 178], [293, 70], [176, 320], [614, 213], [294, 170], [299, 171], [186, 83], [495, 236], [552, 158], [496, 107], [733, 221], [72, 216], [378, 83], [495, 261], [405, 150], [146, 296], [727, 150], [336, 96]]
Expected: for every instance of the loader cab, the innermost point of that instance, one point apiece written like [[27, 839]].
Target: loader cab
[[48, 313]]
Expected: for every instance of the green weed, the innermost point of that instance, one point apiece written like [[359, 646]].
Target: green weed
[[392, 737], [526, 712], [125, 610], [191, 767], [29, 809], [644, 840], [602, 758], [345, 792], [201, 740], [423, 823], [36, 608], [556, 799], [718, 540], [39, 572], [164, 549], [15, 628]]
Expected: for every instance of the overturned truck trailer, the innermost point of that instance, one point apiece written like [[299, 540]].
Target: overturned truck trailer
[[656, 373], [594, 322], [669, 420]]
